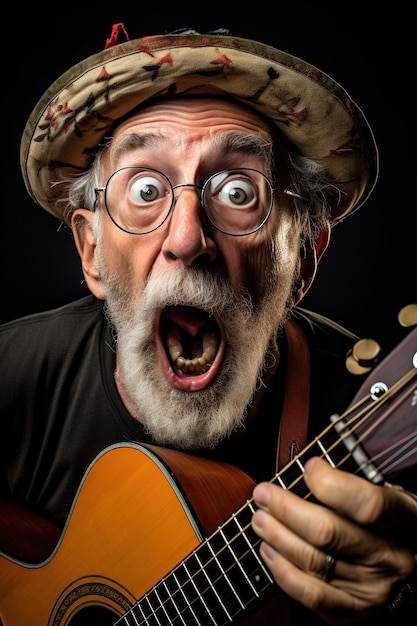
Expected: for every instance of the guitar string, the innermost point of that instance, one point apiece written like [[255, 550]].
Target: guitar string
[[358, 419], [362, 417], [405, 451], [389, 463]]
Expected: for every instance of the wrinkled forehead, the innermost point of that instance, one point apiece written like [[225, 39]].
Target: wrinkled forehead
[[213, 123], [202, 112]]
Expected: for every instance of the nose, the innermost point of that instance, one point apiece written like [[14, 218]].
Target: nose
[[189, 235]]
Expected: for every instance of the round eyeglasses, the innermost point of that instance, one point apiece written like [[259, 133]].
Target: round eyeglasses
[[237, 202]]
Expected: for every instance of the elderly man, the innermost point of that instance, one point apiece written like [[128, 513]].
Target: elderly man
[[165, 420]]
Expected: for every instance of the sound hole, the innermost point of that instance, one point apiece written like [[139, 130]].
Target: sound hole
[[93, 615]]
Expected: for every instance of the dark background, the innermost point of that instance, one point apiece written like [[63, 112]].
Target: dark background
[[369, 272]]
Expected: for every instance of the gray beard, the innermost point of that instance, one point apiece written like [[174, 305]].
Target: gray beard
[[197, 419]]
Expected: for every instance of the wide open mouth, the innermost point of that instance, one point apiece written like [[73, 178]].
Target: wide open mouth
[[191, 338]]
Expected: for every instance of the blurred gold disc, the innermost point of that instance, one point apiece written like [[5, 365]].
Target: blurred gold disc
[[353, 366], [408, 315], [366, 352]]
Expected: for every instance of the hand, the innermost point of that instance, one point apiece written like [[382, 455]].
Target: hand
[[368, 529]]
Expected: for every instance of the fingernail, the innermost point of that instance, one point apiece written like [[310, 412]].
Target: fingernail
[[261, 495], [259, 519], [268, 552]]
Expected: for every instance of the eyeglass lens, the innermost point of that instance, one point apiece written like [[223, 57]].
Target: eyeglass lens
[[236, 202]]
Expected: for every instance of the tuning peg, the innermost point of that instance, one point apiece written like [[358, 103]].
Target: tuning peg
[[408, 315], [363, 356]]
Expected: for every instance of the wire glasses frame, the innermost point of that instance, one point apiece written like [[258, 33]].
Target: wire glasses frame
[[237, 202]]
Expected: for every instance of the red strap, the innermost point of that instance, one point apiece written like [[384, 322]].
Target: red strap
[[294, 418]]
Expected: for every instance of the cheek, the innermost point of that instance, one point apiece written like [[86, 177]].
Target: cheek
[[258, 264], [129, 258], [271, 261], [249, 261]]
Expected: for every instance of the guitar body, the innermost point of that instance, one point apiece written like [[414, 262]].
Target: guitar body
[[129, 526]]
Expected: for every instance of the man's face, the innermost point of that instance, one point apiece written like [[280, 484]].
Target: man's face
[[194, 309]]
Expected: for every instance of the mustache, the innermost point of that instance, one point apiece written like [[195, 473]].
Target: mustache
[[194, 287]]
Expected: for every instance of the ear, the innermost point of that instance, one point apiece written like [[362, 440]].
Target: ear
[[85, 242], [310, 256]]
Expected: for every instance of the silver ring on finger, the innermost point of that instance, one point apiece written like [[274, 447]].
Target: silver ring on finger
[[329, 567]]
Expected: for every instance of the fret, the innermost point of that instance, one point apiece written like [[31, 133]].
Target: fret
[[326, 454], [251, 576], [159, 609], [175, 605], [221, 585], [280, 481], [169, 600], [329, 446], [337, 440], [300, 465], [236, 568], [196, 604], [246, 578], [244, 530], [148, 612], [211, 583], [198, 582], [334, 450], [135, 617], [187, 596], [174, 590], [135, 621], [125, 619], [291, 478]]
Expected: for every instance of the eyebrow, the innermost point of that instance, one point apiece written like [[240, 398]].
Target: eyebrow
[[254, 144]]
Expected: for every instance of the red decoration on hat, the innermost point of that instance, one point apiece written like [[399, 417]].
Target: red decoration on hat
[[224, 60], [103, 74], [113, 39]]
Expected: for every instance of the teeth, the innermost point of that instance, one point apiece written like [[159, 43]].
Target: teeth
[[174, 351], [209, 346], [198, 364]]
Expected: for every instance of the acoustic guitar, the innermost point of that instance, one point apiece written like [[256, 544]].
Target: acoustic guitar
[[159, 537]]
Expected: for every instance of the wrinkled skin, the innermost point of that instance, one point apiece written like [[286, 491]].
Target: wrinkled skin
[[369, 529], [209, 276]]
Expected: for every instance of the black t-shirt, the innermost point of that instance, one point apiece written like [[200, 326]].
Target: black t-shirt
[[60, 407]]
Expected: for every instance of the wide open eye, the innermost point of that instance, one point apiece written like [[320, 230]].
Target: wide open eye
[[237, 202], [138, 199], [143, 189], [235, 191]]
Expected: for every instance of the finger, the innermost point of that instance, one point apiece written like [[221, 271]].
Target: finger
[[310, 559], [297, 526], [358, 498], [315, 524], [333, 602], [290, 545]]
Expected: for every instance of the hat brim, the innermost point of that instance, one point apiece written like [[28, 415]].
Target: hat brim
[[312, 110]]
